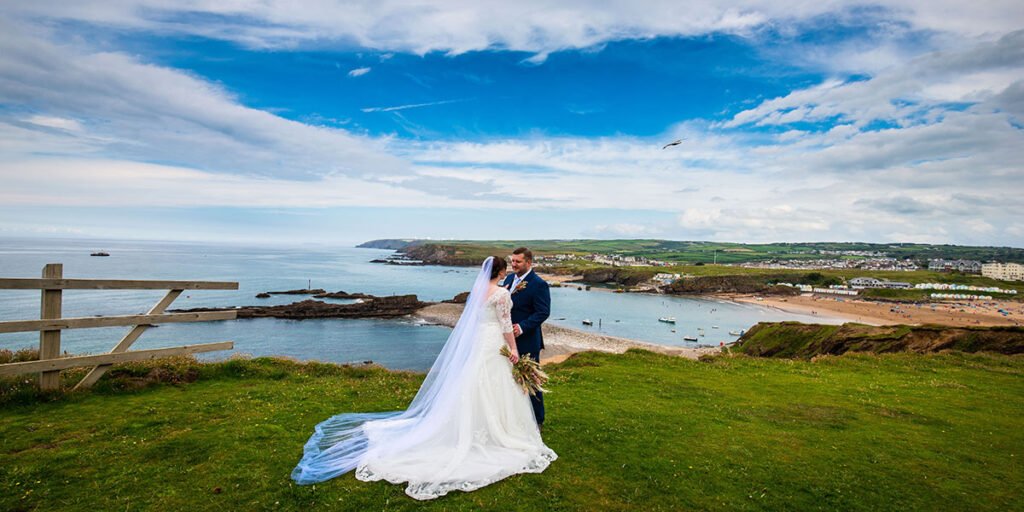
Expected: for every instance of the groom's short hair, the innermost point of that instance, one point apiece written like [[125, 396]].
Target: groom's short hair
[[528, 254]]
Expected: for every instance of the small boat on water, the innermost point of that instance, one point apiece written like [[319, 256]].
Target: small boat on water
[[690, 338], [714, 327], [562, 318], [668, 319], [100, 253], [736, 333], [588, 321]]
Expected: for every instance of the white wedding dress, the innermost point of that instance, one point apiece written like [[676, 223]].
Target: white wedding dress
[[469, 426]]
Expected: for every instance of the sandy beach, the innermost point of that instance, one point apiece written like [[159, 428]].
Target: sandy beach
[[959, 314], [561, 342]]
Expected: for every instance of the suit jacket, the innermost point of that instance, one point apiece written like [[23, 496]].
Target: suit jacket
[[531, 306]]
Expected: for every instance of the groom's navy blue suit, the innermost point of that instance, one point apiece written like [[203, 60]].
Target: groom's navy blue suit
[[531, 305]]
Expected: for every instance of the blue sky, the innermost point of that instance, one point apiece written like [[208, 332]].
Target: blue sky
[[339, 122]]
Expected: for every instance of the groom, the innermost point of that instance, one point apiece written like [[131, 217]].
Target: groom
[[531, 305]]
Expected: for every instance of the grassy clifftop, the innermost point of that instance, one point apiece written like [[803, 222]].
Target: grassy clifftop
[[795, 339], [638, 431]]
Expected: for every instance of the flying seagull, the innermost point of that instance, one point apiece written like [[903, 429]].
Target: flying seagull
[[674, 143]]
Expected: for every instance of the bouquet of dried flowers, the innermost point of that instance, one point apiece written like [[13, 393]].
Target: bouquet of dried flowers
[[527, 373]]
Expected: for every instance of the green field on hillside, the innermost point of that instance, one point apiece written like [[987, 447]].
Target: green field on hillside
[[723, 252], [638, 431]]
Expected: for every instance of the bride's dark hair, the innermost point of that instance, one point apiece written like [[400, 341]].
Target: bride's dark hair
[[497, 266]]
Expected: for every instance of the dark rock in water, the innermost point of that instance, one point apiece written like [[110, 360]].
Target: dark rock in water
[[304, 291], [373, 307], [263, 295], [400, 261], [458, 299], [342, 295]]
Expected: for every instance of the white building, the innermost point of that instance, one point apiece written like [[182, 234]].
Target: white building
[[1003, 271], [870, 282], [666, 278], [865, 282]]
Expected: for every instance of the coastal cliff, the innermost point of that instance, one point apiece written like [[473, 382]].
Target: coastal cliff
[[393, 244], [798, 340], [438, 254], [730, 284]]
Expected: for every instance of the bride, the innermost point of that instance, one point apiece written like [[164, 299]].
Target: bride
[[469, 425]]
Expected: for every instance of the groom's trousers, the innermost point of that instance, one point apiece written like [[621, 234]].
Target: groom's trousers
[[537, 401]]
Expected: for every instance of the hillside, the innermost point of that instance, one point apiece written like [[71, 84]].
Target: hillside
[[638, 431], [703, 278], [795, 339], [693, 252]]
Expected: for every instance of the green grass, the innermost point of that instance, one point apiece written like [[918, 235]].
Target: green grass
[[727, 252], [638, 431]]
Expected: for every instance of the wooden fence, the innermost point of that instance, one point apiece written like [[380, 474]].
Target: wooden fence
[[50, 324]]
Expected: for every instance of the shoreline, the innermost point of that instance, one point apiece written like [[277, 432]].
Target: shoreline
[[953, 314], [561, 342]]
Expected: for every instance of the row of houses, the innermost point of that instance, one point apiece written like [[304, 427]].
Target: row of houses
[[823, 264], [614, 260], [964, 266]]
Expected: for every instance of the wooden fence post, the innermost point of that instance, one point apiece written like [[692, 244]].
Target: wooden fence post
[[49, 341]]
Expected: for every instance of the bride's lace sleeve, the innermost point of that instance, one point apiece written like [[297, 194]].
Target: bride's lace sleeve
[[503, 305]]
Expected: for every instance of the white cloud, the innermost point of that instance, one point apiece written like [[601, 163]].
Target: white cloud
[[904, 92], [141, 111], [625, 229], [60, 123], [536, 26], [358, 72], [99, 182], [935, 173]]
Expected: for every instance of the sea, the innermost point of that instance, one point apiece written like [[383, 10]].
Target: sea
[[406, 344]]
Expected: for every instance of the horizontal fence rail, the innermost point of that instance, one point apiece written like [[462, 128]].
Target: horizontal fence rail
[[111, 284], [58, 324], [50, 324], [120, 357]]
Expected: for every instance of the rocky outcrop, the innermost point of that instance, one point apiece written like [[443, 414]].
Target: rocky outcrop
[[374, 307], [436, 254], [618, 275], [342, 295], [797, 340], [730, 284], [458, 299]]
